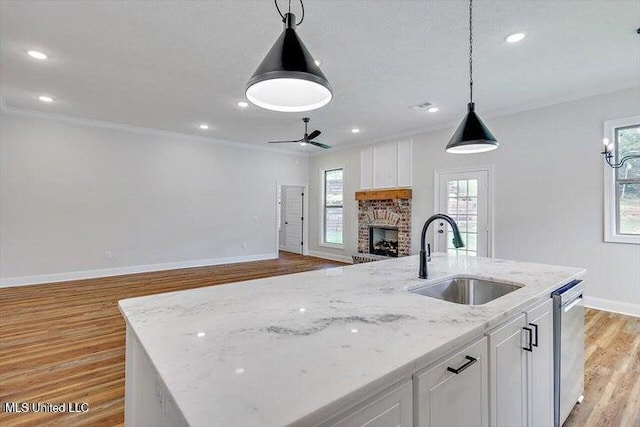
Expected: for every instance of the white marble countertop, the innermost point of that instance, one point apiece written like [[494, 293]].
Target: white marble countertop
[[296, 349]]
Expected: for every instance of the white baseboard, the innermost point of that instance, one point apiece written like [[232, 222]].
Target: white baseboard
[[119, 271], [332, 257], [627, 308]]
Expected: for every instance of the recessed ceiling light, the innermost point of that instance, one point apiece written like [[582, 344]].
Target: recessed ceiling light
[[355, 130], [515, 37], [433, 110], [243, 104], [317, 61], [204, 126], [45, 98], [36, 54], [303, 143]]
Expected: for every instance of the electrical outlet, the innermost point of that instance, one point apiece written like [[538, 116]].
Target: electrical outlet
[[244, 245], [108, 254]]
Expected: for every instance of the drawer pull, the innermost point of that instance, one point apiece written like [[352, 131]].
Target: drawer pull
[[535, 334], [470, 361], [530, 333]]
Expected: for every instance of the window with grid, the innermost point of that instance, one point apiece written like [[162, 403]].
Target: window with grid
[[332, 206], [622, 199], [462, 206]]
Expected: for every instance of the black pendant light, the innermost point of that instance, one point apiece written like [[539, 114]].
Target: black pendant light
[[288, 79], [472, 136]]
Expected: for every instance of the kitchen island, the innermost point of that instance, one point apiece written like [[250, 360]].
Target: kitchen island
[[310, 348]]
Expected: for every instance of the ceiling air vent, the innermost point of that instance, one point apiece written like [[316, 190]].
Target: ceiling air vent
[[420, 107]]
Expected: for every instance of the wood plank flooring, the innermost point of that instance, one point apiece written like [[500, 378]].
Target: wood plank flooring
[[612, 372], [65, 343]]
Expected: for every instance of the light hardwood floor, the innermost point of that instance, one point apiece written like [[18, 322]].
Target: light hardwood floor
[[612, 372], [65, 343]]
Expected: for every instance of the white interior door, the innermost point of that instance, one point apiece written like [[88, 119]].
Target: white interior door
[[464, 196], [293, 217]]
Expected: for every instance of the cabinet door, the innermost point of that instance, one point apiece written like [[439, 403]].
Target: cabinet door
[[508, 374], [385, 166], [540, 320], [392, 409], [446, 398], [405, 158], [366, 168]]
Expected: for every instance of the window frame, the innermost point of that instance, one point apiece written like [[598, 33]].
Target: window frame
[[611, 202], [323, 208]]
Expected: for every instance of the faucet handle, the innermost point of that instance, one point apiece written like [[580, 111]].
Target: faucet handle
[[428, 251]]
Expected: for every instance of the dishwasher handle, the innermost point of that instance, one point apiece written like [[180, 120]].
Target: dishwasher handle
[[572, 304]]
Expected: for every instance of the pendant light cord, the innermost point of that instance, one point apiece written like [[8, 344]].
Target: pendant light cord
[[282, 16], [471, 51]]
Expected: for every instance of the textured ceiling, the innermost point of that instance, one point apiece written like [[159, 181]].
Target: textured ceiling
[[174, 64]]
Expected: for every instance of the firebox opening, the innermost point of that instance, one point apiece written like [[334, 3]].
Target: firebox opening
[[383, 241]]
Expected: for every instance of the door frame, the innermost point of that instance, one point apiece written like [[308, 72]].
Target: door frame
[[305, 214], [490, 199]]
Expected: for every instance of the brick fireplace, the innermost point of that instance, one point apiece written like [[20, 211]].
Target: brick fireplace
[[382, 214]]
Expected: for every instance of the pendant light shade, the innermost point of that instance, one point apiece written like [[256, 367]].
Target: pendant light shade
[[472, 136], [288, 78]]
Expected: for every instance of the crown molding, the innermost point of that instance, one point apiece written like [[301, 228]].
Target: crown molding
[[137, 129]]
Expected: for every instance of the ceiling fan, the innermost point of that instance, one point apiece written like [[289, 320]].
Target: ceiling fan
[[307, 138]]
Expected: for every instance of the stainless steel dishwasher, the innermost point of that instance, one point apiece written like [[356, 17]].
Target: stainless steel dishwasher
[[568, 353]]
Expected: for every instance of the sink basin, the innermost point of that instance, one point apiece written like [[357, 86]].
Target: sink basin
[[465, 290]]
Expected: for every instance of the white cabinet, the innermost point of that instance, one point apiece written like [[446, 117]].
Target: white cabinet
[[386, 165], [521, 369], [540, 365], [404, 162], [455, 391], [366, 167], [147, 403], [393, 408], [508, 374]]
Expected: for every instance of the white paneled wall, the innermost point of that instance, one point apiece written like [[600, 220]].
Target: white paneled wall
[[386, 165]]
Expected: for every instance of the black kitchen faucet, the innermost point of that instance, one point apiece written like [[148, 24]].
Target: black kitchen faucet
[[423, 273]]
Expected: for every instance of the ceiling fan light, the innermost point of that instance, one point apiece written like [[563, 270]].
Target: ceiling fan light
[[288, 78], [472, 136]]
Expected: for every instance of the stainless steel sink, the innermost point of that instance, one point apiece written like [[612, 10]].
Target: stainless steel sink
[[466, 290]]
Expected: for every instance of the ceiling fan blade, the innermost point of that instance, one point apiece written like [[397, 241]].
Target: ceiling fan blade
[[314, 134], [319, 144], [281, 142]]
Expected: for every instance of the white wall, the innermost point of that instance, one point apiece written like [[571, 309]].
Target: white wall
[[548, 190], [72, 190]]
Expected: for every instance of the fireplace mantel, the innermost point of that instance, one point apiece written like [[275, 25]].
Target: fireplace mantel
[[386, 194]]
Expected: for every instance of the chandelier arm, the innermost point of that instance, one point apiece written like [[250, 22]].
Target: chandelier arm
[[608, 156]]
